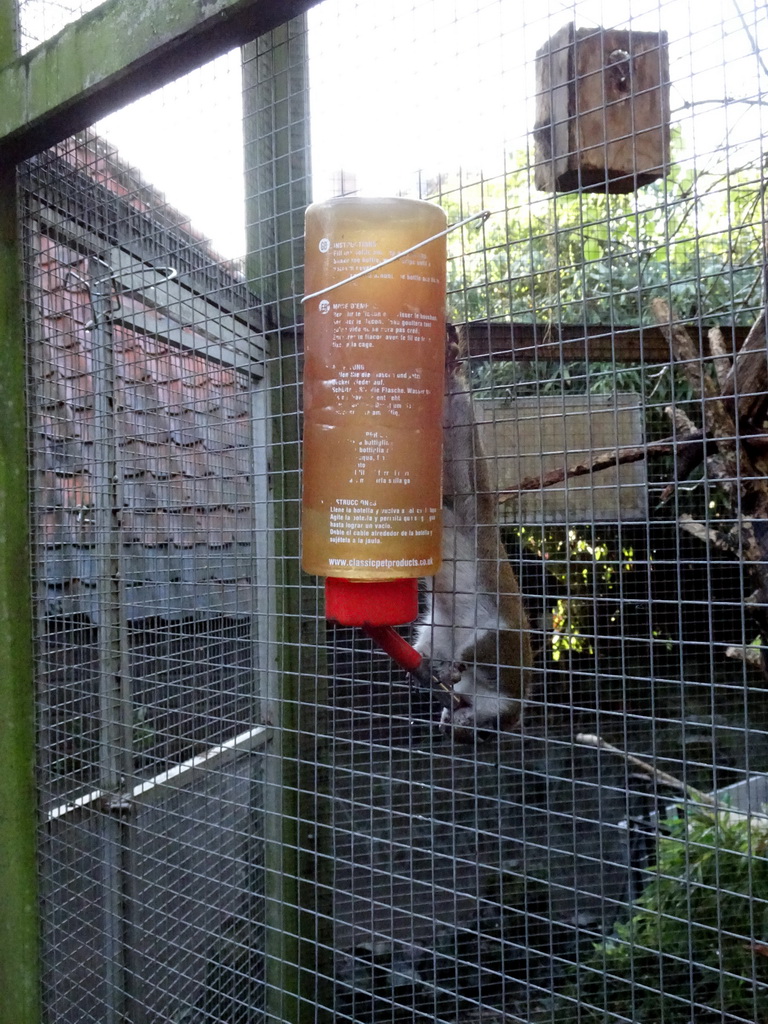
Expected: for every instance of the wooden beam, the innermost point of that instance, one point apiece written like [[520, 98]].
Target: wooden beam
[[121, 50], [598, 343], [294, 694], [528, 343], [19, 920], [18, 825]]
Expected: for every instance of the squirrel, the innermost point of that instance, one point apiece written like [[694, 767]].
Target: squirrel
[[474, 631]]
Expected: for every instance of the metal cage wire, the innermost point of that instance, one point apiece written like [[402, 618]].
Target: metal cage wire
[[247, 814]]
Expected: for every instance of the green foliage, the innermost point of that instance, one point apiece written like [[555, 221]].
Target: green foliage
[[578, 564], [693, 238], [696, 945], [505, 379]]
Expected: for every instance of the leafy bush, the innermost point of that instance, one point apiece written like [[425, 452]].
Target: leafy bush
[[696, 946], [694, 238]]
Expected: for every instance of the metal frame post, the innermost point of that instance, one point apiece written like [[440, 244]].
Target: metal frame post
[[276, 128]]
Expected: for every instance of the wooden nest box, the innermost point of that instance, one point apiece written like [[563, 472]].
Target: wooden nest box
[[602, 110]]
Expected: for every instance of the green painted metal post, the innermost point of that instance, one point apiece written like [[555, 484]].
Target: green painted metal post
[[19, 932], [276, 117]]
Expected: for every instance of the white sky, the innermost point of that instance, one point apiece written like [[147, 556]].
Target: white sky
[[421, 86], [451, 85], [186, 140]]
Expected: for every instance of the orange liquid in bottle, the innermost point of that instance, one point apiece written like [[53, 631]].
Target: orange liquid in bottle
[[373, 390]]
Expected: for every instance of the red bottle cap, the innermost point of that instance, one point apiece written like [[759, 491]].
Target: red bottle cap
[[382, 603]]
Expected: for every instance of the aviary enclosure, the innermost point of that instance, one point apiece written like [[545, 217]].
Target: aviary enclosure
[[216, 807]]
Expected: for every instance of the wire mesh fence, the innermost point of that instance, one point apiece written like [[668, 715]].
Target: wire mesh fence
[[143, 352], [247, 814]]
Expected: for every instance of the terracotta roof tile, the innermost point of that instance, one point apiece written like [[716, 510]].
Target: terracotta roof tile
[[131, 364], [149, 425], [141, 396], [64, 456], [196, 463], [185, 430], [161, 460], [182, 431]]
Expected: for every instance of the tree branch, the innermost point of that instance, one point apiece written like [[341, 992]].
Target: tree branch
[[607, 460], [648, 769], [720, 356]]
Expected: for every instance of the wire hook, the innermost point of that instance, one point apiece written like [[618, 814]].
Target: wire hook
[[484, 214]]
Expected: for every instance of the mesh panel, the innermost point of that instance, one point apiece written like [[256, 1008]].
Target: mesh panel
[[145, 355], [247, 814], [41, 20], [574, 868]]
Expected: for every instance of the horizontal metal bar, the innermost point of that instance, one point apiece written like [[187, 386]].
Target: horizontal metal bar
[[174, 307], [175, 778], [231, 298], [165, 328], [171, 296], [117, 52]]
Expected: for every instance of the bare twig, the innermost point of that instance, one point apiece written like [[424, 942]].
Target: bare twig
[[605, 461], [608, 460], [747, 380], [756, 48], [683, 349], [719, 421], [590, 740]]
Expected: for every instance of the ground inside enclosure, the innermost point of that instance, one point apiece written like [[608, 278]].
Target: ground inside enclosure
[[479, 877]]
